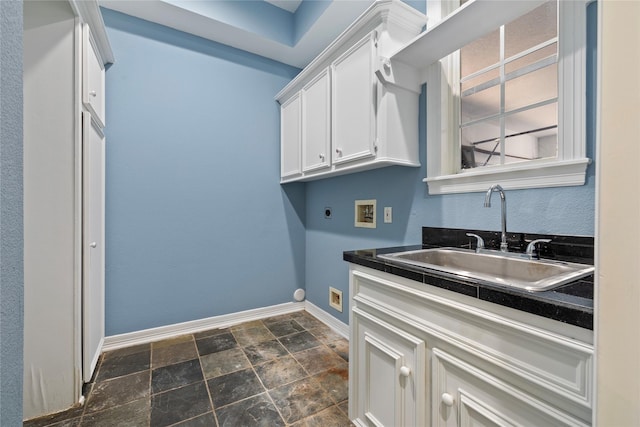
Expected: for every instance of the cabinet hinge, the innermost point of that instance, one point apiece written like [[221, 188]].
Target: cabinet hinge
[[375, 146], [375, 38]]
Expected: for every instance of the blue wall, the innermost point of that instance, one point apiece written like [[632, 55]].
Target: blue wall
[[197, 224], [11, 217], [568, 210], [193, 193]]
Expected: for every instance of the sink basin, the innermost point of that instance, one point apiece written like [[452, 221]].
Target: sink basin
[[495, 267]]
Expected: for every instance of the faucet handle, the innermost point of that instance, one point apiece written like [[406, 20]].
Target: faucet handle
[[531, 247], [479, 241]]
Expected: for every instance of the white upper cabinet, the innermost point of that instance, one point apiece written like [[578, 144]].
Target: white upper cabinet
[[353, 114], [92, 77], [290, 136], [316, 123], [350, 120]]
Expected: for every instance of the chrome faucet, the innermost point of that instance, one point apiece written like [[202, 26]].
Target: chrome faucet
[[531, 248], [479, 242], [503, 209]]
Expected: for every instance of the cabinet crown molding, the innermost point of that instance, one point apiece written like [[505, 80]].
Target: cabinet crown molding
[[381, 15], [89, 12]]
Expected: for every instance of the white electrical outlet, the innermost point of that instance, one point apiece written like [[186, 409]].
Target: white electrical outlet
[[388, 215]]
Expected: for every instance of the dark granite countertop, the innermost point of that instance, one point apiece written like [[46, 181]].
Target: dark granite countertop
[[571, 303]]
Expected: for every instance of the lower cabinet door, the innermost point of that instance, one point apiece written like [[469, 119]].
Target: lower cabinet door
[[463, 395], [390, 375], [93, 296]]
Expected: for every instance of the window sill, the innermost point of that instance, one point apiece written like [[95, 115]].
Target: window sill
[[519, 176]]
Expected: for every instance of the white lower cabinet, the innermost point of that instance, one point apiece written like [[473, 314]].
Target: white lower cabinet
[[423, 356], [463, 395], [392, 372]]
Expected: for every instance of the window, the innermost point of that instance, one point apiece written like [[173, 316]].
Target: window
[[509, 107]]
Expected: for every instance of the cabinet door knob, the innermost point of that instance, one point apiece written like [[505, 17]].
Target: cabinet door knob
[[321, 156], [93, 93], [405, 371], [93, 244], [338, 150], [447, 399]]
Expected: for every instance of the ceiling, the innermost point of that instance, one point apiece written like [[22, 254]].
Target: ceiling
[[288, 5], [288, 31]]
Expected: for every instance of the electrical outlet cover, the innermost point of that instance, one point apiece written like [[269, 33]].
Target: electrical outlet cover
[[335, 299], [365, 213]]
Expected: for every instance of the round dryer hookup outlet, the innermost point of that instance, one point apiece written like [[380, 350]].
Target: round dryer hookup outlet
[[298, 295]]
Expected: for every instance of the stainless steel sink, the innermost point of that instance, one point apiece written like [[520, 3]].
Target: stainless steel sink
[[495, 267]]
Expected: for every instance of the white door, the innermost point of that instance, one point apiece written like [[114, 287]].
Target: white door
[[316, 128], [353, 100], [93, 245]]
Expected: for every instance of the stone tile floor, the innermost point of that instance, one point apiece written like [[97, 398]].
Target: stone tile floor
[[288, 370]]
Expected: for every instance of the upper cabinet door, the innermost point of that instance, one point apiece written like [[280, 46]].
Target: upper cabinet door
[[92, 77], [316, 123], [290, 137], [354, 102]]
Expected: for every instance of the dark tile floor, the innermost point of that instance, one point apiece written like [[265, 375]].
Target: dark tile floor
[[289, 370]]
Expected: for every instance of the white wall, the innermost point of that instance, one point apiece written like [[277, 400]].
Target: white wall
[[618, 226], [50, 310]]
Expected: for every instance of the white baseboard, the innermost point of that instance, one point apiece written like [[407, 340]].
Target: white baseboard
[[145, 336], [327, 319]]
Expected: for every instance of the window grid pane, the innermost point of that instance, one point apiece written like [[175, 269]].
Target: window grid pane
[[526, 84]]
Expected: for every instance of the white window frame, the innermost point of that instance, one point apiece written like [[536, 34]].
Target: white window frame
[[443, 151]]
